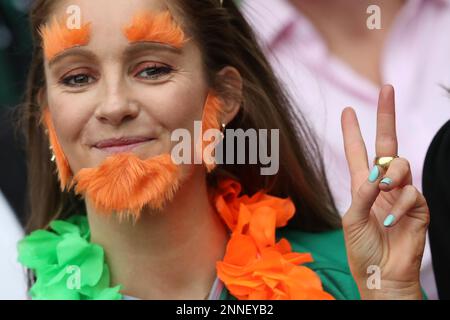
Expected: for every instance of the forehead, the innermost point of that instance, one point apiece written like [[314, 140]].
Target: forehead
[[108, 16], [107, 27]]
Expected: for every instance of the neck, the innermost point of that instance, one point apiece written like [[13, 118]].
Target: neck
[[343, 26], [169, 254]]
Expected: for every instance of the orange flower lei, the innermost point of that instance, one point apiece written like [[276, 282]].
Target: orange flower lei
[[254, 266]]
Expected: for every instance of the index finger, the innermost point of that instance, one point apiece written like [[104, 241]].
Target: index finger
[[355, 148], [386, 140]]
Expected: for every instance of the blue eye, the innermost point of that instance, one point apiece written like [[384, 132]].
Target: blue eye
[[154, 72], [77, 80]]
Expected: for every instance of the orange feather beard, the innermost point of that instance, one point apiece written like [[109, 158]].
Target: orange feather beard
[[125, 184]]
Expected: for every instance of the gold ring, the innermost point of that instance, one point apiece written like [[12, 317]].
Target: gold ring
[[384, 162]]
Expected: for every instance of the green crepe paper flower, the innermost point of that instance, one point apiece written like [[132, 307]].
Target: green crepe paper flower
[[66, 264]]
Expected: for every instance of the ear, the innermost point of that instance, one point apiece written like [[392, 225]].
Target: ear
[[231, 84]]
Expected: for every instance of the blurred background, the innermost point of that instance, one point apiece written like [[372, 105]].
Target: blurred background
[[15, 48]]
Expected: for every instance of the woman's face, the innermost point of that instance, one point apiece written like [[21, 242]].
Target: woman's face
[[111, 89]]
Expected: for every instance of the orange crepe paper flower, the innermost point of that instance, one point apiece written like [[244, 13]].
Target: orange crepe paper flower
[[255, 267], [155, 27], [64, 171], [57, 37], [125, 184]]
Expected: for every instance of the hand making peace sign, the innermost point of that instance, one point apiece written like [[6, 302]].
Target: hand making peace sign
[[387, 221]]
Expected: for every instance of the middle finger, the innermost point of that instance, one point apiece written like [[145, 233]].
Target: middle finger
[[386, 139]]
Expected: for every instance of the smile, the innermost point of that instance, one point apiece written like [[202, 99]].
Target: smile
[[120, 145]]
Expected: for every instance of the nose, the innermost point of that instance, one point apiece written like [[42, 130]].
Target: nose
[[116, 106]]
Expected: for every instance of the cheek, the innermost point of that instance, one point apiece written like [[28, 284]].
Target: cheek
[[178, 105], [69, 118]]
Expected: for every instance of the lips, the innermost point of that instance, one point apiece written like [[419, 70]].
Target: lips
[[121, 144]]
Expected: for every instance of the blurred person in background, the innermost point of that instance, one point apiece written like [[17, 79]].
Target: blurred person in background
[[436, 188], [12, 278], [335, 53], [15, 48]]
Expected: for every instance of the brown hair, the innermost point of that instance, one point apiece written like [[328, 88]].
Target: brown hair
[[225, 39]]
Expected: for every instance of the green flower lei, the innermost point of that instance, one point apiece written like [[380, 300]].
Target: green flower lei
[[67, 266]]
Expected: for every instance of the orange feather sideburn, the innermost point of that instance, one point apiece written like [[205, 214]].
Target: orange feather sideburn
[[64, 171], [155, 27], [212, 114], [57, 37]]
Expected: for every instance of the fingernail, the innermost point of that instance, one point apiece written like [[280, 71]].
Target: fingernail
[[374, 174], [389, 220], [386, 181]]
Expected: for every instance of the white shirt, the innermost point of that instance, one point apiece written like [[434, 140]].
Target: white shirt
[[13, 284]]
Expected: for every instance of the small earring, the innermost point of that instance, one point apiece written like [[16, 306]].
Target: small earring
[[222, 134], [53, 158]]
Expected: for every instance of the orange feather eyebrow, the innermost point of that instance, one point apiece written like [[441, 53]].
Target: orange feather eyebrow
[[155, 27], [57, 37]]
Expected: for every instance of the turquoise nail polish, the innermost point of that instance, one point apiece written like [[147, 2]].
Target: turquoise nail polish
[[374, 174], [387, 181], [389, 220]]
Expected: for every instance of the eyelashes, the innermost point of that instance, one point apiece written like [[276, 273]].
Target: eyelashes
[[153, 72], [149, 72], [77, 80]]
